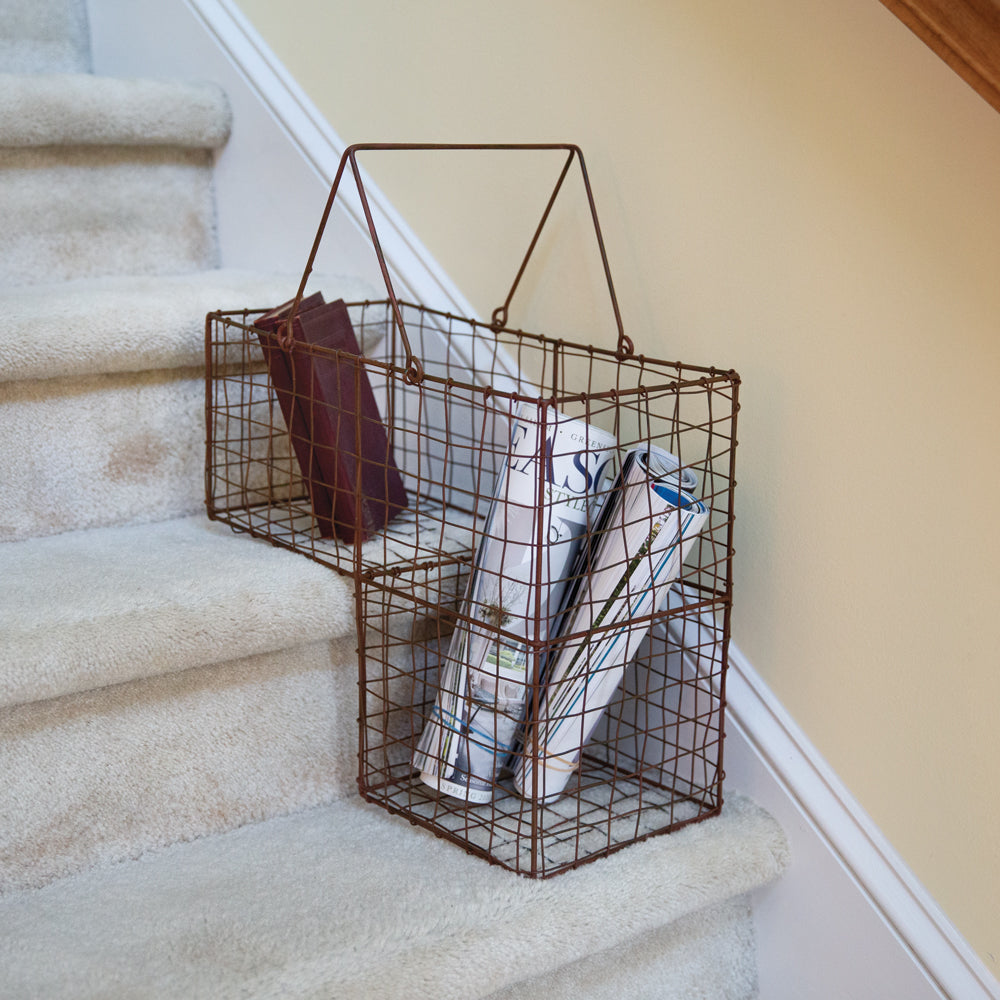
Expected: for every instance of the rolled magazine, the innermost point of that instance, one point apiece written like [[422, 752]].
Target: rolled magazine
[[516, 584], [643, 536]]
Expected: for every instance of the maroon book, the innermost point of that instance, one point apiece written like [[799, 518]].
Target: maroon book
[[338, 435], [292, 403], [349, 441]]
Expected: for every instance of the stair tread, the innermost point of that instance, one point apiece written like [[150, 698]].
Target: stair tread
[[133, 323], [345, 900], [87, 609], [48, 109]]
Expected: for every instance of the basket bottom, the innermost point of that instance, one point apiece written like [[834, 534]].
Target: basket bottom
[[597, 817]]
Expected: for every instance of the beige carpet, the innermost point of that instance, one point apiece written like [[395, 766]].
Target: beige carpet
[[345, 901]]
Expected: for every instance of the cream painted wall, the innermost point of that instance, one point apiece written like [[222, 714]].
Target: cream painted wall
[[799, 190]]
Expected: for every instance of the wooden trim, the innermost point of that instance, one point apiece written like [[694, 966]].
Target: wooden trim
[[964, 33]]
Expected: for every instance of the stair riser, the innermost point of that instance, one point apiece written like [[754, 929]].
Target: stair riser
[[101, 450], [43, 56], [75, 212], [710, 953], [83, 453], [48, 37], [108, 774]]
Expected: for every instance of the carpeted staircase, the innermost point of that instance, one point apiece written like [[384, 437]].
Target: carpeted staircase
[[178, 815]]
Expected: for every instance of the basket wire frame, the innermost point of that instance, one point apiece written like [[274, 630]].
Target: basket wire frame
[[446, 387]]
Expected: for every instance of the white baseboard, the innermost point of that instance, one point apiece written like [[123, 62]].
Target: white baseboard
[[849, 918], [419, 276], [914, 949], [415, 274]]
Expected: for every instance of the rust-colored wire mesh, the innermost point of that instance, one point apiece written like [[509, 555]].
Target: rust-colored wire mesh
[[449, 390]]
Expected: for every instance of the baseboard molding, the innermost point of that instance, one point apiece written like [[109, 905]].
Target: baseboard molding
[[275, 173], [845, 829], [420, 277], [415, 274]]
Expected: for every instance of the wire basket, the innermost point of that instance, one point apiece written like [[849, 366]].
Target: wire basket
[[453, 394]]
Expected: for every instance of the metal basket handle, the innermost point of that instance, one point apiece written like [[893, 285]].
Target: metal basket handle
[[414, 369]]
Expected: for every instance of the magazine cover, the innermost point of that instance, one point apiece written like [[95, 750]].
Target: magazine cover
[[548, 496], [646, 531]]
